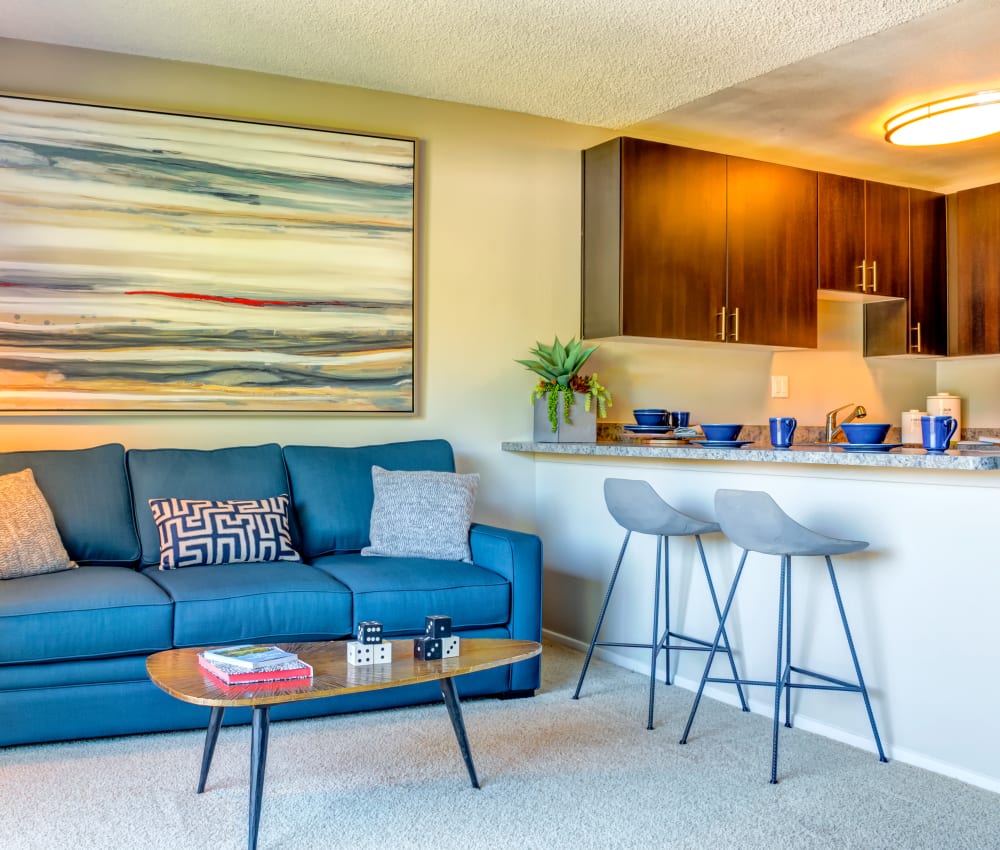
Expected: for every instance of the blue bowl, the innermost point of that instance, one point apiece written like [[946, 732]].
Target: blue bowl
[[866, 432], [721, 432], [650, 416]]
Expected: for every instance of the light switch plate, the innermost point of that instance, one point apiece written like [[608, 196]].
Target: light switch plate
[[779, 386]]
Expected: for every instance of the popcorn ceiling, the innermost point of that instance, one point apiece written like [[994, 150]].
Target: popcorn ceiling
[[608, 63]]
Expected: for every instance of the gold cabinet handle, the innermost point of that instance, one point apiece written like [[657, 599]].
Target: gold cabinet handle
[[721, 316], [735, 335], [864, 280], [874, 275], [915, 348]]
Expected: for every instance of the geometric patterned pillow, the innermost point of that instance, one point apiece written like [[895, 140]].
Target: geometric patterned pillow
[[199, 532], [29, 540]]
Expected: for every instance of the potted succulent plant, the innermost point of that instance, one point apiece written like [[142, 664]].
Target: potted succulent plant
[[565, 391]]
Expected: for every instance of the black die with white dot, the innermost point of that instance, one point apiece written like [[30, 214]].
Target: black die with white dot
[[427, 648], [369, 631], [437, 626]]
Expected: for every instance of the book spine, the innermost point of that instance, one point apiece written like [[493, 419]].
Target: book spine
[[304, 671]]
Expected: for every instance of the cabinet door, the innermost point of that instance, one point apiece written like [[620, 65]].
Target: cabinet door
[[928, 284], [887, 248], [841, 236], [772, 233], [976, 295], [673, 261]]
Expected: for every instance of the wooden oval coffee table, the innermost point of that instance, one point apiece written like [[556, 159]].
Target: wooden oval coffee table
[[177, 672]]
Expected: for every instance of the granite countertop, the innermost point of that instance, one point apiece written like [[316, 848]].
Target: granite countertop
[[914, 458]]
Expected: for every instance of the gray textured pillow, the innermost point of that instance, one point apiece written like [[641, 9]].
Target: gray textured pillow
[[29, 540], [422, 514]]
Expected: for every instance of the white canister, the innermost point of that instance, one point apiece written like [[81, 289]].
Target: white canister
[[910, 432], [946, 404]]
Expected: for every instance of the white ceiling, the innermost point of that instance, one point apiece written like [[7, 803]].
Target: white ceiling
[[802, 81]]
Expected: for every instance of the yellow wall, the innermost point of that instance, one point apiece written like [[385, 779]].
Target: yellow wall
[[499, 265], [716, 382]]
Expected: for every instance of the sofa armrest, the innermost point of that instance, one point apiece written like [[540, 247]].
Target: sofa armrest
[[518, 558]]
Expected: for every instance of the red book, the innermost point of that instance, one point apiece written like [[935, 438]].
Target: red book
[[232, 675]]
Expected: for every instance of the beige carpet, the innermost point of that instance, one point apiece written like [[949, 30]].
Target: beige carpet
[[555, 773]]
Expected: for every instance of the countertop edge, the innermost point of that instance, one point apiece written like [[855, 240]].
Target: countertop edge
[[898, 458]]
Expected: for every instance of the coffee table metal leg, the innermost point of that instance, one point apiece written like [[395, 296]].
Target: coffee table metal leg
[[211, 736], [258, 758], [458, 724]]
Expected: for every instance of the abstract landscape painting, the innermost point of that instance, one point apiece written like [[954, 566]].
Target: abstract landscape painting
[[167, 262]]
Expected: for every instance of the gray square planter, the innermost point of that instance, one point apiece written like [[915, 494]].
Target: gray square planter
[[582, 427]]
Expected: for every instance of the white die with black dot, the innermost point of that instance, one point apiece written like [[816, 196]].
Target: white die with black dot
[[360, 654]]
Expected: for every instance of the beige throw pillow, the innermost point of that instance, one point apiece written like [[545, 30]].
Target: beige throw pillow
[[29, 541]]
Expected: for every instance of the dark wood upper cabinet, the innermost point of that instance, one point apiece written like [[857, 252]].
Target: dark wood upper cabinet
[[841, 220], [974, 270], [863, 236], [771, 226], [689, 244], [928, 302], [654, 240]]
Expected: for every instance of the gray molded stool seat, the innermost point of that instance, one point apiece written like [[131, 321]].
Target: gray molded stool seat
[[754, 521], [636, 507]]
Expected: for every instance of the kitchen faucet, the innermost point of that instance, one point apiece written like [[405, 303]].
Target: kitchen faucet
[[833, 429]]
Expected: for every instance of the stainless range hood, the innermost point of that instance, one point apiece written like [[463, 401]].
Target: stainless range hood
[[885, 328]]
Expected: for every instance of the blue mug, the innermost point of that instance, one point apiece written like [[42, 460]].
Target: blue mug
[[680, 418], [782, 430], [937, 431]]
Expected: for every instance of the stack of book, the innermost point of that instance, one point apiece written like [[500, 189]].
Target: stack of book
[[252, 663]]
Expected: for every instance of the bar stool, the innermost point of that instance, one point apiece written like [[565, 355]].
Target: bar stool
[[753, 521], [636, 506]]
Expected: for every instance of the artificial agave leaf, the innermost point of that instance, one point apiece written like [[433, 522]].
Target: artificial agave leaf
[[585, 354], [542, 369]]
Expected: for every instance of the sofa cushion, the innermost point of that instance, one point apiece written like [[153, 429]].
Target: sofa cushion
[[400, 592], [29, 540], [421, 514], [199, 532], [242, 472], [88, 493], [332, 488], [250, 603], [92, 612]]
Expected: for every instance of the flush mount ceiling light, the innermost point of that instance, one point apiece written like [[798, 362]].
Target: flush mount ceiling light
[[943, 122]]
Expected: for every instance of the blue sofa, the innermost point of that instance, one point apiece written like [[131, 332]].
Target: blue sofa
[[73, 644]]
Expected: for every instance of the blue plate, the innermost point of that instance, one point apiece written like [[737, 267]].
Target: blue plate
[[869, 447], [647, 429], [721, 444]]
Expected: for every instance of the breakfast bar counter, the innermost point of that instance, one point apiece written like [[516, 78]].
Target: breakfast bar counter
[[902, 458], [921, 599]]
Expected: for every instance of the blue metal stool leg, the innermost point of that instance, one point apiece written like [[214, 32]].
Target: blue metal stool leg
[[666, 609], [788, 643], [854, 657], [718, 614], [654, 644], [778, 673], [600, 619], [715, 647]]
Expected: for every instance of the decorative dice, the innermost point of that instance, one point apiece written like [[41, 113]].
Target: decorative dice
[[370, 631], [360, 654], [450, 646], [437, 626], [427, 648], [381, 653]]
